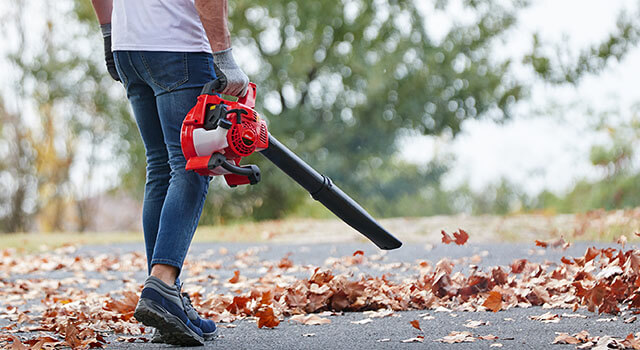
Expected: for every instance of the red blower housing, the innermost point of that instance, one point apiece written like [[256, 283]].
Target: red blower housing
[[217, 133]]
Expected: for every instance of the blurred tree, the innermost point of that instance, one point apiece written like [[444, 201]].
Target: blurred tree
[[559, 65], [340, 82], [64, 115], [15, 167], [619, 183], [616, 155]]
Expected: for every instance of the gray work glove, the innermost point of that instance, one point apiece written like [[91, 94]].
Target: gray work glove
[[108, 55], [232, 80]]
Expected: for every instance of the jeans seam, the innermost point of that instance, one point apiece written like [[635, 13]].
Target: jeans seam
[[197, 215], [174, 85], [124, 78], [133, 66]]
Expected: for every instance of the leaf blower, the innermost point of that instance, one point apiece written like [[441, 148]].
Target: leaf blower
[[217, 133]]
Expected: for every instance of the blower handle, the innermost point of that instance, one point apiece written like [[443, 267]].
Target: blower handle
[[252, 172], [217, 85], [213, 87]]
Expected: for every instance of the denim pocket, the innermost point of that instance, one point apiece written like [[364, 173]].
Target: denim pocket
[[167, 70], [117, 56]]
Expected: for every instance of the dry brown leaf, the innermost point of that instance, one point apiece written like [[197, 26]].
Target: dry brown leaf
[[380, 313], [591, 254], [475, 324], [493, 301], [488, 337], [622, 240], [310, 320], [631, 342], [72, 336], [541, 244], [235, 278], [285, 262], [461, 237], [518, 266], [547, 317], [416, 324], [457, 337], [607, 319], [16, 343], [266, 318], [363, 321], [446, 239], [418, 339], [565, 338]]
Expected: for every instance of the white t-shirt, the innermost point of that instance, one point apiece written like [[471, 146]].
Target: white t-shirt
[[157, 25]]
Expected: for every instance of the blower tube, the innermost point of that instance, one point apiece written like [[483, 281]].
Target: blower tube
[[324, 191]]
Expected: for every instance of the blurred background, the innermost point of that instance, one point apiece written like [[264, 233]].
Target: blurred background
[[415, 108]]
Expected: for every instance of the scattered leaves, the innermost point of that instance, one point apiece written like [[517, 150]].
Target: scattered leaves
[[266, 318], [603, 280], [459, 237]]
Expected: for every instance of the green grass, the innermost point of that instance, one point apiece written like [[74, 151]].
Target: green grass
[[237, 232], [29, 242], [598, 226]]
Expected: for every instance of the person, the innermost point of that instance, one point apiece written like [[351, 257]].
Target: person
[[164, 52]]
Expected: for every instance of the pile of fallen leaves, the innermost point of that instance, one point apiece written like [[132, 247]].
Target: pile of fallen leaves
[[603, 280], [585, 341]]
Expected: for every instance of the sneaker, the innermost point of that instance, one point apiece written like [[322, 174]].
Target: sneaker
[[208, 327], [162, 306]]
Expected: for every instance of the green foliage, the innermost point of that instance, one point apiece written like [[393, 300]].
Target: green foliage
[[591, 60], [340, 83], [613, 193]]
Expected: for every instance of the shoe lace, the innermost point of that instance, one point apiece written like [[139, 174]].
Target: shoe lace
[[186, 299]]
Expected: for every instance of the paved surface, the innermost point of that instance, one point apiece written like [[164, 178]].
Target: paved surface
[[516, 332]]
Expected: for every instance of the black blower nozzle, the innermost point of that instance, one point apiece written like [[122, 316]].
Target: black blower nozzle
[[331, 196]]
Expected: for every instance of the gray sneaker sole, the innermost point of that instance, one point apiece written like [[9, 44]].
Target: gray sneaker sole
[[159, 338], [173, 330]]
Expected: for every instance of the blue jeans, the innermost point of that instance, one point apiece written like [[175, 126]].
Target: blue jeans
[[162, 87]]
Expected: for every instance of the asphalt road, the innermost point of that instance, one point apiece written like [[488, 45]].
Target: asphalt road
[[513, 327]]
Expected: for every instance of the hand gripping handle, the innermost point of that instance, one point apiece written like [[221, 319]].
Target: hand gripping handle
[[216, 86]]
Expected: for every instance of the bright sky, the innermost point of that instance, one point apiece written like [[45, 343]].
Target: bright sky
[[545, 151]]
